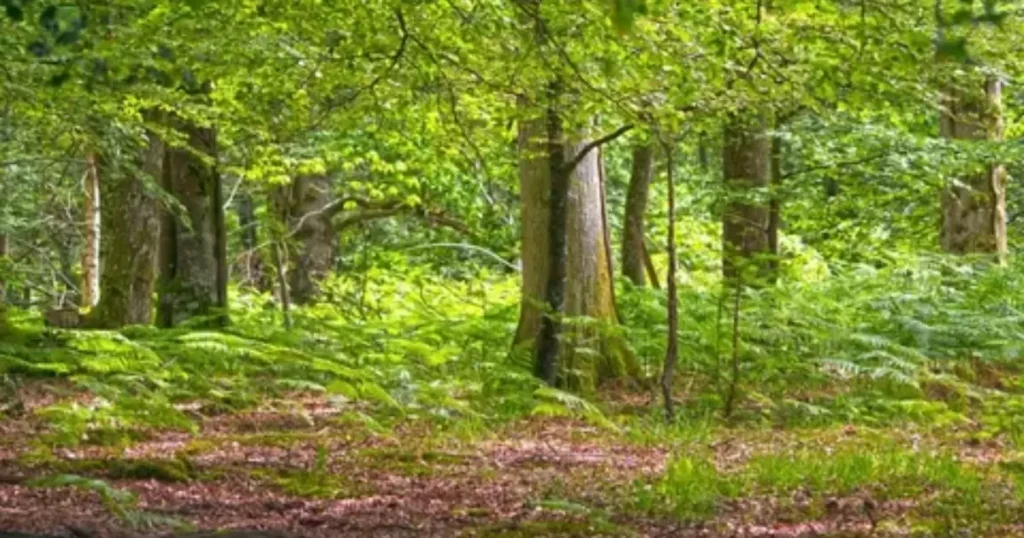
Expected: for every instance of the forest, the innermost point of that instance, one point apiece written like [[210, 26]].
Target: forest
[[509, 268]]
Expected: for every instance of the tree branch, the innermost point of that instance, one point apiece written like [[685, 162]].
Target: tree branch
[[582, 154], [826, 166]]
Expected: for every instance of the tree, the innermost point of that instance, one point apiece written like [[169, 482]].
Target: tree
[[634, 251], [589, 288], [131, 235], [3, 283], [192, 265], [974, 207], [250, 263], [746, 169], [91, 251], [534, 222], [566, 262], [309, 208]]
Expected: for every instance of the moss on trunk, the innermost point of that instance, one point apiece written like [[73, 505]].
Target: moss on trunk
[[974, 211], [131, 229]]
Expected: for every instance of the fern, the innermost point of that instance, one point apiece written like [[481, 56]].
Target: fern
[[560, 403]]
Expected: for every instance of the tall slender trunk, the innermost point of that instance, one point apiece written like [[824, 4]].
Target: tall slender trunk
[[91, 250], [652, 272], [192, 266], [131, 218], [546, 362], [3, 284], [249, 263], [282, 284], [974, 211], [775, 209], [746, 167], [71, 296], [672, 347], [220, 241], [633, 266]]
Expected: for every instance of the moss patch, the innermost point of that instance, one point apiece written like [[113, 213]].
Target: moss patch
[[176, 470], [409, 462]]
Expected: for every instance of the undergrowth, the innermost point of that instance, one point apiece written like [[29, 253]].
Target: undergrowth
[[920, 340], [815, 480]]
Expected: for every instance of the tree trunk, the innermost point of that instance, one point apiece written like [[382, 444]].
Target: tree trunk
[[3, 284], [746, 169], [563, 225], [310, 217], [71, 295], [191, 245], [589, 285], [775, 209], [91, 250], [249, 263], [546, 356], [652, 272], [282, 284], [974, 213], [131, 217], [535, 215], [636, 206], [672, 345]]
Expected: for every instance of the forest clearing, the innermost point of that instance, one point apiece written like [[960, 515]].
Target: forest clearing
[[509, 268]]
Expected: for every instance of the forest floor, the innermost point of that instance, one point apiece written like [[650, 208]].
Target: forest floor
[[293, 466]]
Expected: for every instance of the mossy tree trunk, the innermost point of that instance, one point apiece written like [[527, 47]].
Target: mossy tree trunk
[[314, 241], [589, 284], [3, 284], [535, 215], [633, 250], [746, 170], [192, 266], [130, 240], [974, 209], [588, 280]]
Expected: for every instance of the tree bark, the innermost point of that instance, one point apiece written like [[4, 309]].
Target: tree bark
[[250, 264], [535, 215], [633, 266], [672, 345], [282, 284], [589, 286], [3, 284], [130, 242], [746, 167], [652, 272], [546, 357], [974, 211], [566, 261], [775, 209], [91, 250], [191, 249], [311, 220]]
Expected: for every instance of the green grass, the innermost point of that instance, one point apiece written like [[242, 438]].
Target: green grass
[[693, 489]]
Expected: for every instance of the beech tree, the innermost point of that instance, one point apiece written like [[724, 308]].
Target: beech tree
[[192, 264], [746, 170], [130, 239], [634, 249], [91, 251], [313, 237], [974, 207]]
